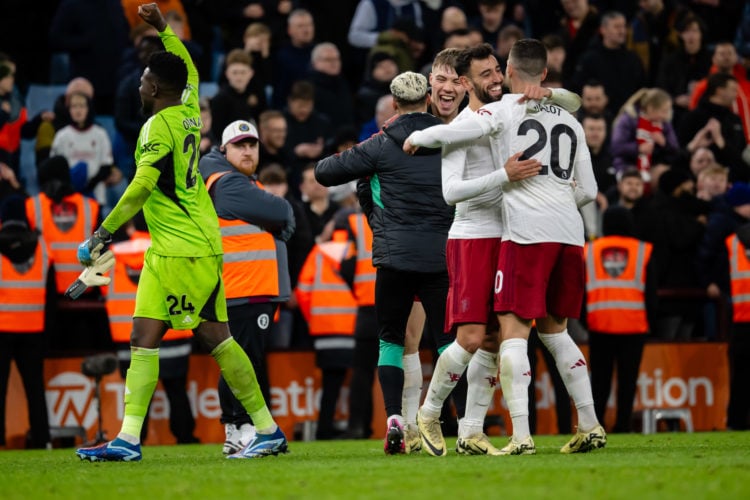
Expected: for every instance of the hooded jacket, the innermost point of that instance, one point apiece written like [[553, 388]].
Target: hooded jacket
[[409, 217]]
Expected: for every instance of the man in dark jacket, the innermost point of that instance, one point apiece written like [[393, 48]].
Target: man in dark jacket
[[410, 222], [254, 284]]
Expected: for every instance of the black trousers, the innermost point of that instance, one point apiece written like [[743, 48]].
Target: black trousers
[[738, 410], [364, 364], [173, 370], [623, 351], [394, 296], [27, 349], [250, 325]]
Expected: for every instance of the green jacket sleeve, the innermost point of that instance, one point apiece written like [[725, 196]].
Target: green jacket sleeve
[[173, 44]]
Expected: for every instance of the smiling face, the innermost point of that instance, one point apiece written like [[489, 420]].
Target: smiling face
[[447, 91], [485, 78]]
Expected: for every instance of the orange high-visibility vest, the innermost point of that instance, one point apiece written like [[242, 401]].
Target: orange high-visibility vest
[[364, 271], [122, 289], [617, 304], [22, 295], [739, 274], [250, 261], [324, 298], [63, 245]]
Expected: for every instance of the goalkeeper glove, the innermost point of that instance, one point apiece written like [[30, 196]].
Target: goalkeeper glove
[[89, 250], [92, 275]]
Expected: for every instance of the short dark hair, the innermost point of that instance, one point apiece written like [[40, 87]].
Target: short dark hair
[[529, 56], [272, 174], [631, 172], [717, 81], [463, 61], [303, 90], [170, 71]]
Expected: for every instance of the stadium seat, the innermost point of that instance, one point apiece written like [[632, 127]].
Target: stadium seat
[[27, 166], [108, 122], [59, 68], [42, 97], [208, 89]]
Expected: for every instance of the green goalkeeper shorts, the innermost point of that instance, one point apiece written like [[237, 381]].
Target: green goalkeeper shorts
[[182, 291]]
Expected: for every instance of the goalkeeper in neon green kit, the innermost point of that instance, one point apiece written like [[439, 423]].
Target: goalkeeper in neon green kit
[[180, 285]]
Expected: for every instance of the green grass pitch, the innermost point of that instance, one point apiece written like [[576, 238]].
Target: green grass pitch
[[634, 466]]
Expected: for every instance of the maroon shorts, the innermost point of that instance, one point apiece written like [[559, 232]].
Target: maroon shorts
[[535, 280], [471, 272]]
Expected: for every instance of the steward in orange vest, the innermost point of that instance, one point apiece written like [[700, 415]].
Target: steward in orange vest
[[175, 348], [255, 226], [327, 303], [738, 410], [359, 273], [24, 264], [620, 292], [64, 217]]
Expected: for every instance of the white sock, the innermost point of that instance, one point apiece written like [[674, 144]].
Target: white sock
[[412, 388], [574, 371], [515, 376], [481, 376], [449, 367]]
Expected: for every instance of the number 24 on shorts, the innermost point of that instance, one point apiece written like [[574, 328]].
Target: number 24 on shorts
[[180, 305]]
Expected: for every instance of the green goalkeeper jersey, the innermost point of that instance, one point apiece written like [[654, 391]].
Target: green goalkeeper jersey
[[180, 215]]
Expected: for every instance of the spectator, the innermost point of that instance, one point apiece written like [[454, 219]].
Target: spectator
[[372, 17], [579, 26], [13, 116], [88, 149], [292, 60], [555, 52], [273, 130], [629, 193], [610, 62], [333, 98], [129, 116], [701, 159], [712, 182], [643, 134], [257, 43], [713, 124], [241, 98], [319, 208], [725, 61], [595, 128], [675, 223], [594, 101], [505, 40], [384, 110], [95, 47], [680, 70], [651, 34], [24, 264], [307, 130], [490, 20], [208, 139], [382, 69]]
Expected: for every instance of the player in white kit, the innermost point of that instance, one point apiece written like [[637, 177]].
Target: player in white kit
[[540, 268], [472, 253]]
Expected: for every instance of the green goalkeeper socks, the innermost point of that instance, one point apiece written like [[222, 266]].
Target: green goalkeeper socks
[[140, 383], [239, 374]]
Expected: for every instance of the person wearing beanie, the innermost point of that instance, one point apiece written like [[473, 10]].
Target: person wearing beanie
[[620, 303], [24, 266], [410, 223]]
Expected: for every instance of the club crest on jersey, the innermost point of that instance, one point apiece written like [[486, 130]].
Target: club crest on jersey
[[614, 260]]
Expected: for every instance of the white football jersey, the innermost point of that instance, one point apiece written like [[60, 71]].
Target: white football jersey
[[478, 214], [543, 208]]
